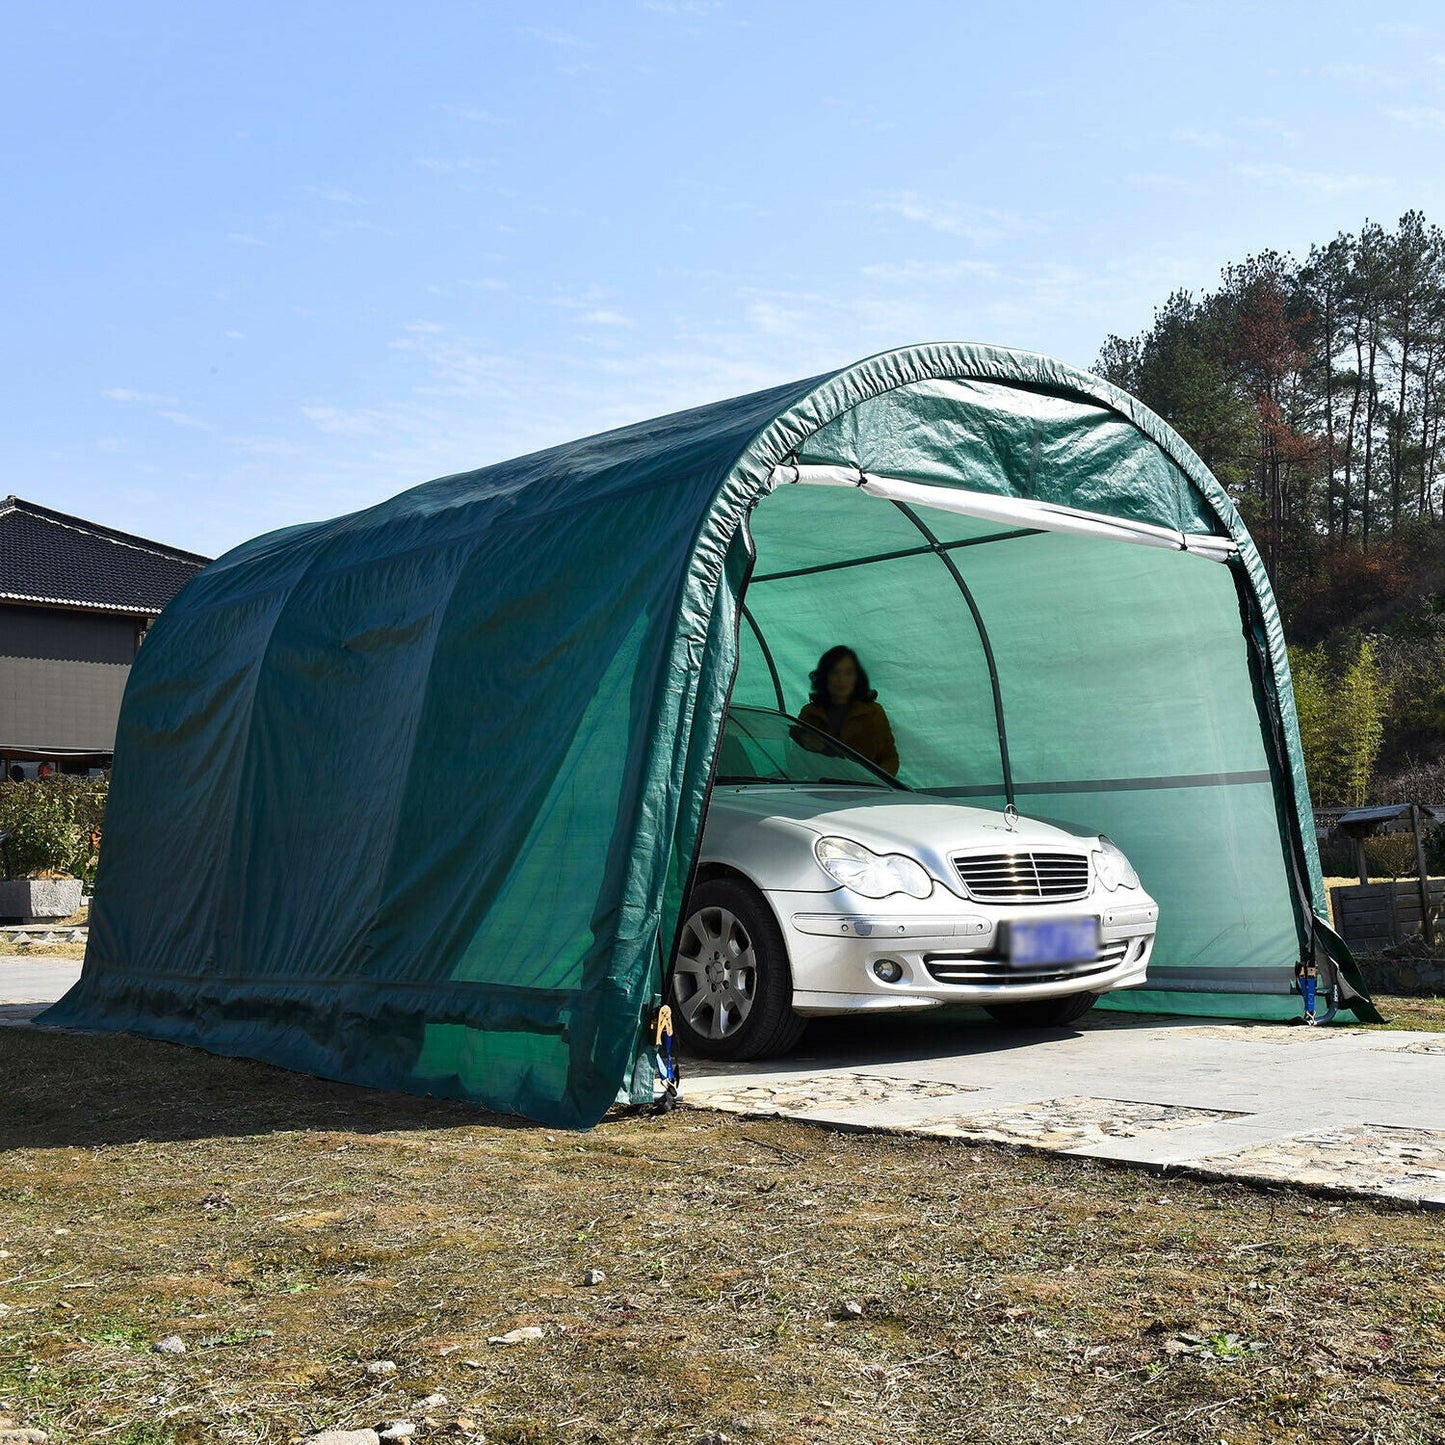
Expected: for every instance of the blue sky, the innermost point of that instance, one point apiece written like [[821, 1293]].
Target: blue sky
[[270, 262]]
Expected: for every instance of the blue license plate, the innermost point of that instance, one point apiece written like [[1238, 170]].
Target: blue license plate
[[1053, 940]]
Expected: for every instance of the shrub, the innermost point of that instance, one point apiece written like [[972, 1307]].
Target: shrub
[[54, 826], [1391, 855]]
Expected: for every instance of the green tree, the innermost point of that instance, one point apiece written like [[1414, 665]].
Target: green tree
[[1360, 722], [1341, 707], [1310, 672]]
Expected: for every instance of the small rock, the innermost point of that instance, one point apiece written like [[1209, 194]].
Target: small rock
[[344, 1437], [19, 1435], [464, 1425], [398, 1430], [593, 1277], [527, 1335], [380, 1369], [434, 1401], [171, 1345], [217, 1199], [851, 1309], [718, 1438], [472, 1364]]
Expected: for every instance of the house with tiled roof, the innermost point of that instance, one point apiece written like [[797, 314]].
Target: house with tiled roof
[[76, 599]]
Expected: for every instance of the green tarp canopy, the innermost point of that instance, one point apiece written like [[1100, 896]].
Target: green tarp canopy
[[410, 798]]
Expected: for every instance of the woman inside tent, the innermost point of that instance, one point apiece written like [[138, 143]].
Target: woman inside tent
[[847, 708]]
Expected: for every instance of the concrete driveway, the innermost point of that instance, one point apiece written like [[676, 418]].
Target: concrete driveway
[[29, 981], [1348, 1108]]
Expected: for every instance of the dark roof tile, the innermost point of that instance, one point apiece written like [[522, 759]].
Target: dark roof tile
[[47, 556]]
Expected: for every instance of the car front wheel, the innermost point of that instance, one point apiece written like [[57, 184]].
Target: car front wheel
[[732, 991], [1044, 1013]]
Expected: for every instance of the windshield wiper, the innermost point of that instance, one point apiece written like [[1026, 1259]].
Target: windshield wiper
[[852, 783], [728, 781]]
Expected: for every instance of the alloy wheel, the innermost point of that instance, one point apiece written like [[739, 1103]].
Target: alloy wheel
[[716, 978]]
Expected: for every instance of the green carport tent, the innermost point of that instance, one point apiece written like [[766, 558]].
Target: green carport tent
[[410, 798]]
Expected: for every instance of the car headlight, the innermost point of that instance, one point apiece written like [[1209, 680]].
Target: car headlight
[[874, 875], [1112, 868]]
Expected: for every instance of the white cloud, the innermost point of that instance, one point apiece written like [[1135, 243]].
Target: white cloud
[[1163, 182], [1204, 140], [446, 165], [184, 418], [1320, 182], [607, 318], [1356, 72], [244, 238], [1418, 117], [927, 271], [551, 35], [148, 398], [263, 446], [1400, 30], [337, 195], [474, 114], [350, 421], [982, 225]]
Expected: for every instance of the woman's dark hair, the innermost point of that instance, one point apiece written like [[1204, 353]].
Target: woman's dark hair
[[829, 660]]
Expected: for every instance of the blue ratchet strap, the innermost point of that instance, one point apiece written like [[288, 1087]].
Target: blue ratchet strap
[[1308, 977]]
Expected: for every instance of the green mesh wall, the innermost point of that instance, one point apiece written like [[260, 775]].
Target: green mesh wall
[[1127, 699]]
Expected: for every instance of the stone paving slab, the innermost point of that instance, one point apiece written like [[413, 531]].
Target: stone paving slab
[[1346, 1109], [1372, 1159], [807, 1093], [1071, 1123]]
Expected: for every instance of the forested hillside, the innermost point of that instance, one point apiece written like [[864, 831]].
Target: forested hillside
[[1314, 390]]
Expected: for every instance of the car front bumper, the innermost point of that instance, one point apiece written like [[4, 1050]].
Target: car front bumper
[[950, 951]]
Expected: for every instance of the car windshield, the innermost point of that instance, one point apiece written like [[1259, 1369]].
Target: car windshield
[[759, 746]]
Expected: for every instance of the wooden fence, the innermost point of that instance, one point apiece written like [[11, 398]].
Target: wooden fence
[[1372, 916]]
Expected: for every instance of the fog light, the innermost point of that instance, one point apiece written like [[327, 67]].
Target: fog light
[[887, 970]]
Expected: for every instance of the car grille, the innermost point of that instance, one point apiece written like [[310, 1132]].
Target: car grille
[[962, 968], [1024, 877]]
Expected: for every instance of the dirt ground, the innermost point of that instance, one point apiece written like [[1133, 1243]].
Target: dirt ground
[[764, 1281]]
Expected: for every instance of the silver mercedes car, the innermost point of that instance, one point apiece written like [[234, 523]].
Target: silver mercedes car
[[826, 887]]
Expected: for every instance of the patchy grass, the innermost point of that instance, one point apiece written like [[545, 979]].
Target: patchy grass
[[291, 1230], [43, 950], [1412, 1013], [9, 948]]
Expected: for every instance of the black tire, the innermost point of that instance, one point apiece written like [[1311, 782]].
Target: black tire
[[732, 989], [1044, 1013]]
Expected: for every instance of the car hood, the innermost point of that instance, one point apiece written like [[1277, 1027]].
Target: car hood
[[889, 821]]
